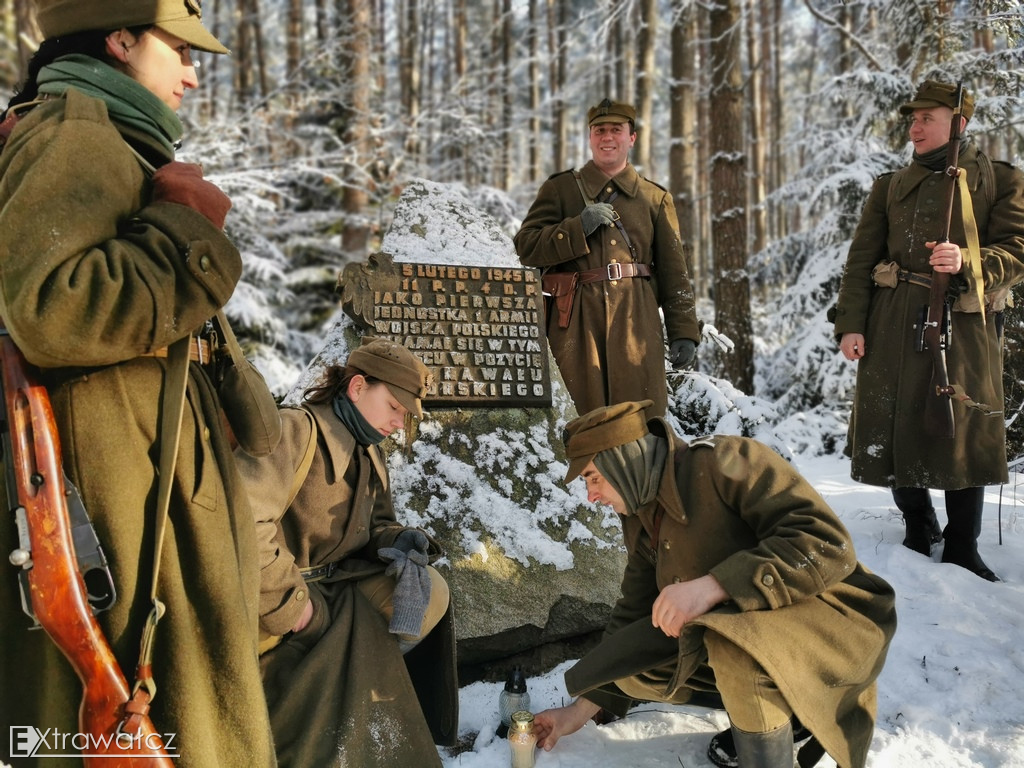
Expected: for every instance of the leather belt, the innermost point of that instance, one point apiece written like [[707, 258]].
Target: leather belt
[[613, 272], [199, 351], [906, 276], [318, 572]]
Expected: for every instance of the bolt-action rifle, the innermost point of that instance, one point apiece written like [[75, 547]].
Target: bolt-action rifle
[[49, 516], [935, 326]]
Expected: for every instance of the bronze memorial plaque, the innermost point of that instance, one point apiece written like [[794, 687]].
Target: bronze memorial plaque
[[480, 330]]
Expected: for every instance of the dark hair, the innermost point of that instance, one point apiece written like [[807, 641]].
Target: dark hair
[[90, 43], [334, 380]]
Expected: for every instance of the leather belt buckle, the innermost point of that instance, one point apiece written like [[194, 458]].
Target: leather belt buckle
[[614, 271]]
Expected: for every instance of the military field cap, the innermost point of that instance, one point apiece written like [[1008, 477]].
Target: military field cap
[[603, 428], [932, 93], [181, 18], [402, 372], [611, 112]]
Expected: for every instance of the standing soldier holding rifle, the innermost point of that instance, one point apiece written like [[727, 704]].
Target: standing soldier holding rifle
[[939, 245]]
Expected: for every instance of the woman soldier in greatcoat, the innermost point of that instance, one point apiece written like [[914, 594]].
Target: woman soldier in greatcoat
[[358, 637], [102, 267]]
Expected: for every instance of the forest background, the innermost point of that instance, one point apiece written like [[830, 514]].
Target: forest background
[[766, 119]]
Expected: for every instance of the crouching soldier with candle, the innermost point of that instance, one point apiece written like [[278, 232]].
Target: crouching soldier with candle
[[740, 583]]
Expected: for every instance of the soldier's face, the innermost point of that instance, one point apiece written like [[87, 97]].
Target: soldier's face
[[929, 128], [609, 145], [377, 405], [600, 491]]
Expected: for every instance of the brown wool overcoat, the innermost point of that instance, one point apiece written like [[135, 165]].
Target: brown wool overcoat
[[93, 275], [614, 347], [887, 440], [342, 512], [801, 605]]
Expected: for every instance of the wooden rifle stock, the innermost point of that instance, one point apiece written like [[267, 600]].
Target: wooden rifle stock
[[58, 593], [938, 327]]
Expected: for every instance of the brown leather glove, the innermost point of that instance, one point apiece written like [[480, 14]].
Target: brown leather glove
[[183, 183]]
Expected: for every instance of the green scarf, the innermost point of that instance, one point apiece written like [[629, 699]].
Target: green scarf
[[128, 101], [350, 416], [635, 469]]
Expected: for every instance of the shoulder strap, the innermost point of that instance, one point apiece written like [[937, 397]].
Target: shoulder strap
[[579, 183], [307, 459]]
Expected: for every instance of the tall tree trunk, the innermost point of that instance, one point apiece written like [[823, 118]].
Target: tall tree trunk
[[504, 179], [755, 122], [729, 195], [409, 74], [647, 42], [533, 48], [682, 153], [355, 65], [557, 20]]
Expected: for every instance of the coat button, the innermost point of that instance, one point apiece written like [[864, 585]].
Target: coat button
[[204, 263], [300, 594], [559, 236], [668, 544], [676, 580], [767, 579], [614, 241], [608, 189]]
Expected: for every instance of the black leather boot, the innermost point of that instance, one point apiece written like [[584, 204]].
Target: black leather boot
[[923, 528], [964, 509], [773, 749]]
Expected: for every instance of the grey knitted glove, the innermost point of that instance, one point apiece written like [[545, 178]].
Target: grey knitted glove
[[412, 588], [412, 539], [596, 214], [682, 352]]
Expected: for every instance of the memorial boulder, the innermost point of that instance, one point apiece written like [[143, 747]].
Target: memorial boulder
[[533, 568]]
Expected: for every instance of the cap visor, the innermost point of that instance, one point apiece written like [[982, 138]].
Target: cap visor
[[576, 466], [194, 33], [406, 398]]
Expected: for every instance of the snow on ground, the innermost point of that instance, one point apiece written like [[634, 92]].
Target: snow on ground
[[950, 693]]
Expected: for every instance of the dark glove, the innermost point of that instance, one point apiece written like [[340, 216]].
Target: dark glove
[[596, 214], [183, 183], [412, 588], [682, 352], [412, 539]]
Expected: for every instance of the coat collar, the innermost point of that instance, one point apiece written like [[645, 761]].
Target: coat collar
[[627, 181], [338, 444], [669, 496], [907, 179]]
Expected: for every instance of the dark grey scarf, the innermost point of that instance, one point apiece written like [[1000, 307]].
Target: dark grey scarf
[[635, 469]]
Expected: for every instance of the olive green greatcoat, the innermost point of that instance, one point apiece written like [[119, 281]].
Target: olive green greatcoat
[[887, 440], [614, 347], [801, 605], [318, 681], [93, 275]]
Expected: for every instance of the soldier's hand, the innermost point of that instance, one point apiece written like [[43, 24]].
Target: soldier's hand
[[596, 214], [183, 183], [682, 352]]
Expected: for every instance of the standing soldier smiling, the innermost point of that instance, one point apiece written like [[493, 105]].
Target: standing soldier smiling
[[608, 242]]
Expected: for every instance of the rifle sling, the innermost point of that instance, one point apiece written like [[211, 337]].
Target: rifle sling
[[172, 408], [973, 260]]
